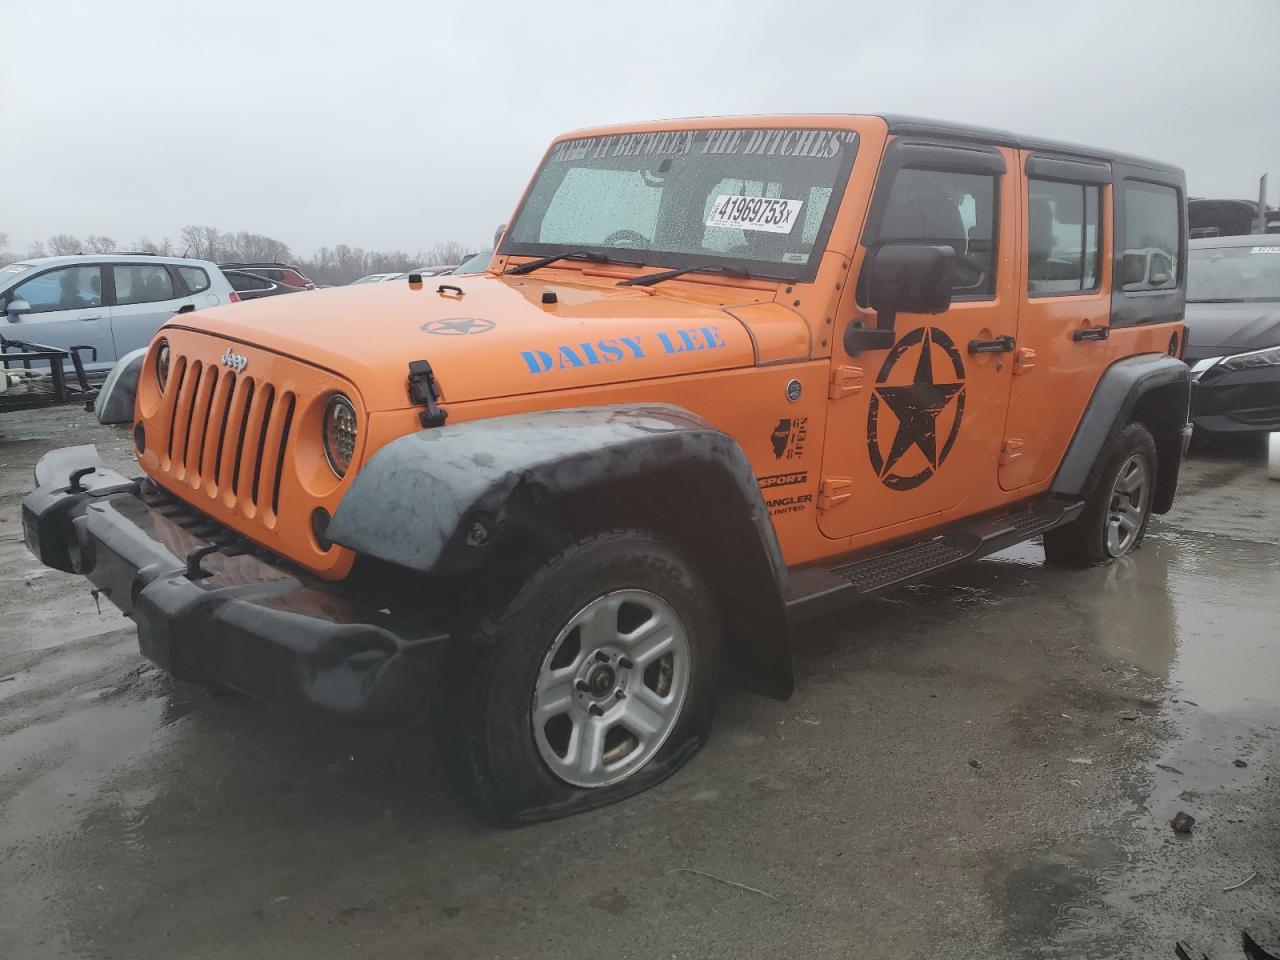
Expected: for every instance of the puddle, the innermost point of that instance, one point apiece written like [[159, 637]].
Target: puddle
[[1197, 612], [1201, 611]]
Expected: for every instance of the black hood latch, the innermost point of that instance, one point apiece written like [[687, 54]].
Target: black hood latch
[[424, 392]]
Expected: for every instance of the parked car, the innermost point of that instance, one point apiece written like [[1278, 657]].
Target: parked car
[[249, 285], [377, 277], [112, 303], [1233, 335], [432, 270], [290, 276], [824, 357]]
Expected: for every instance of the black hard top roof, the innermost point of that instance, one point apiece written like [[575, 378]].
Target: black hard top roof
[[923, 127]]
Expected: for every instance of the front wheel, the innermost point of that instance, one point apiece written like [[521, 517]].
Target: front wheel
[[1115, 517], [595, 680]]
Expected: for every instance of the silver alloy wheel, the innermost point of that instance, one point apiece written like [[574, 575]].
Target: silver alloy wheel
[[611, 688], [1129, 498]]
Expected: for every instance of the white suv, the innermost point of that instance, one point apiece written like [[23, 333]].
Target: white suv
[[113, 303]]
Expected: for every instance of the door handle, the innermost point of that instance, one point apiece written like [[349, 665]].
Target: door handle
[[1003, 344], [90, 319], [1091, 333]]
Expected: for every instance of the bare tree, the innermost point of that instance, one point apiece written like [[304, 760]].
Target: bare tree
[[5, 256], [447, 251], [162, 249], [64, 244], [253, 248], [201, 242], [35, 249], [96, 244]]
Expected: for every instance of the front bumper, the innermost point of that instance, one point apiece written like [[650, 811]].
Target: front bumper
[[215, 611], [1237, 400]]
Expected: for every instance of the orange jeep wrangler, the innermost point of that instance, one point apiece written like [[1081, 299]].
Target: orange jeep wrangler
[[721, 375]]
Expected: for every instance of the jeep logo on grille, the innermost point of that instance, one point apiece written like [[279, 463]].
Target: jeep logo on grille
[[234, 361]]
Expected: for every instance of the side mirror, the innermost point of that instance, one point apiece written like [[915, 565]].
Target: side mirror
[[15, 309], [910, 278]]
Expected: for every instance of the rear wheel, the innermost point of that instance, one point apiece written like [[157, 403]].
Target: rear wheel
[[1115, 516], [594, 680]]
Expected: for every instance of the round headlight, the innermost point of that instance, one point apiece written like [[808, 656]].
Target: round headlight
[[162, 363], [339, 433]]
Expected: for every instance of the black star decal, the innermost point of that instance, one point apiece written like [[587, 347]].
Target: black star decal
[[917, 408]]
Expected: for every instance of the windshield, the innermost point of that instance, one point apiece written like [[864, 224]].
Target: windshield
[[759, 199], [10, 274], [1234, 273]]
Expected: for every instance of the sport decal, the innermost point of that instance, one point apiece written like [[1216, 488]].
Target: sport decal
[[789, 436], [457, 327], [920, 404], [771, 215], [784, 479], [592, 353]]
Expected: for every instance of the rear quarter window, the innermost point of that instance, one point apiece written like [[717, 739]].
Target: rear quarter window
[[1149, 260], [196, 279]]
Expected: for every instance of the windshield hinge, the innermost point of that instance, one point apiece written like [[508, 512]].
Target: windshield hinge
[[424, 392]]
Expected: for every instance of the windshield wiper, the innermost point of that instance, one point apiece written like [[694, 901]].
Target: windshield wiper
[[567, 255], [649, 279]]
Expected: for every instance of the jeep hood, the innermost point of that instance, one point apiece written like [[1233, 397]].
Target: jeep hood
[[1219, 329], [498, 338]]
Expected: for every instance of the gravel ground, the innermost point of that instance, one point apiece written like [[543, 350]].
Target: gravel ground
[[980, 766]]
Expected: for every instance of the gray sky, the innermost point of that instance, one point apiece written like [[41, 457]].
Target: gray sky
[[389, 124]]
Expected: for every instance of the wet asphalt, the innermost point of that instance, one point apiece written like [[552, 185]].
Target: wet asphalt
[[980, 766]]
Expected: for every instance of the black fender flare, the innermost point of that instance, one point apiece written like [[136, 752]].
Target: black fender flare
[[114, 403], [1154, 389], [442, 502]]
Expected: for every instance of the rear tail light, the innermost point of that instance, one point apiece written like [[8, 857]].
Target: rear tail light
[[234, 298]]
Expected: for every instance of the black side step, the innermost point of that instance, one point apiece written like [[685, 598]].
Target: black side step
[[819, 590]]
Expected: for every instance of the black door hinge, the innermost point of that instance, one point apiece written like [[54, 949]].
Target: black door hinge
[[424, 392]]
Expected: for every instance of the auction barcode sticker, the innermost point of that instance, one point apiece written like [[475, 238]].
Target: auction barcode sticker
[[1265, 250], [772, 214]]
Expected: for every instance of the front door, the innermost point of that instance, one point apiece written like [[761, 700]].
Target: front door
[[67, 310], [914, 431]]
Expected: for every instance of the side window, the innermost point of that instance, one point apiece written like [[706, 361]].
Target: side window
[[142, 283], [69, 288], [952, 209], [1063, 240], [196, 279], [1151, 231]]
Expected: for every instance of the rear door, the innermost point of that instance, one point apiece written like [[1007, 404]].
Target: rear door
[[914, 431], [146, 295], [1064, 311], [67, 310]]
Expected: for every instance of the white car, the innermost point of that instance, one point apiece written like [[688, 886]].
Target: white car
[[113, 303], [377, 278]]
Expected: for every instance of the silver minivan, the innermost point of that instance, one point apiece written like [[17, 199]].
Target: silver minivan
[[112, 303]]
